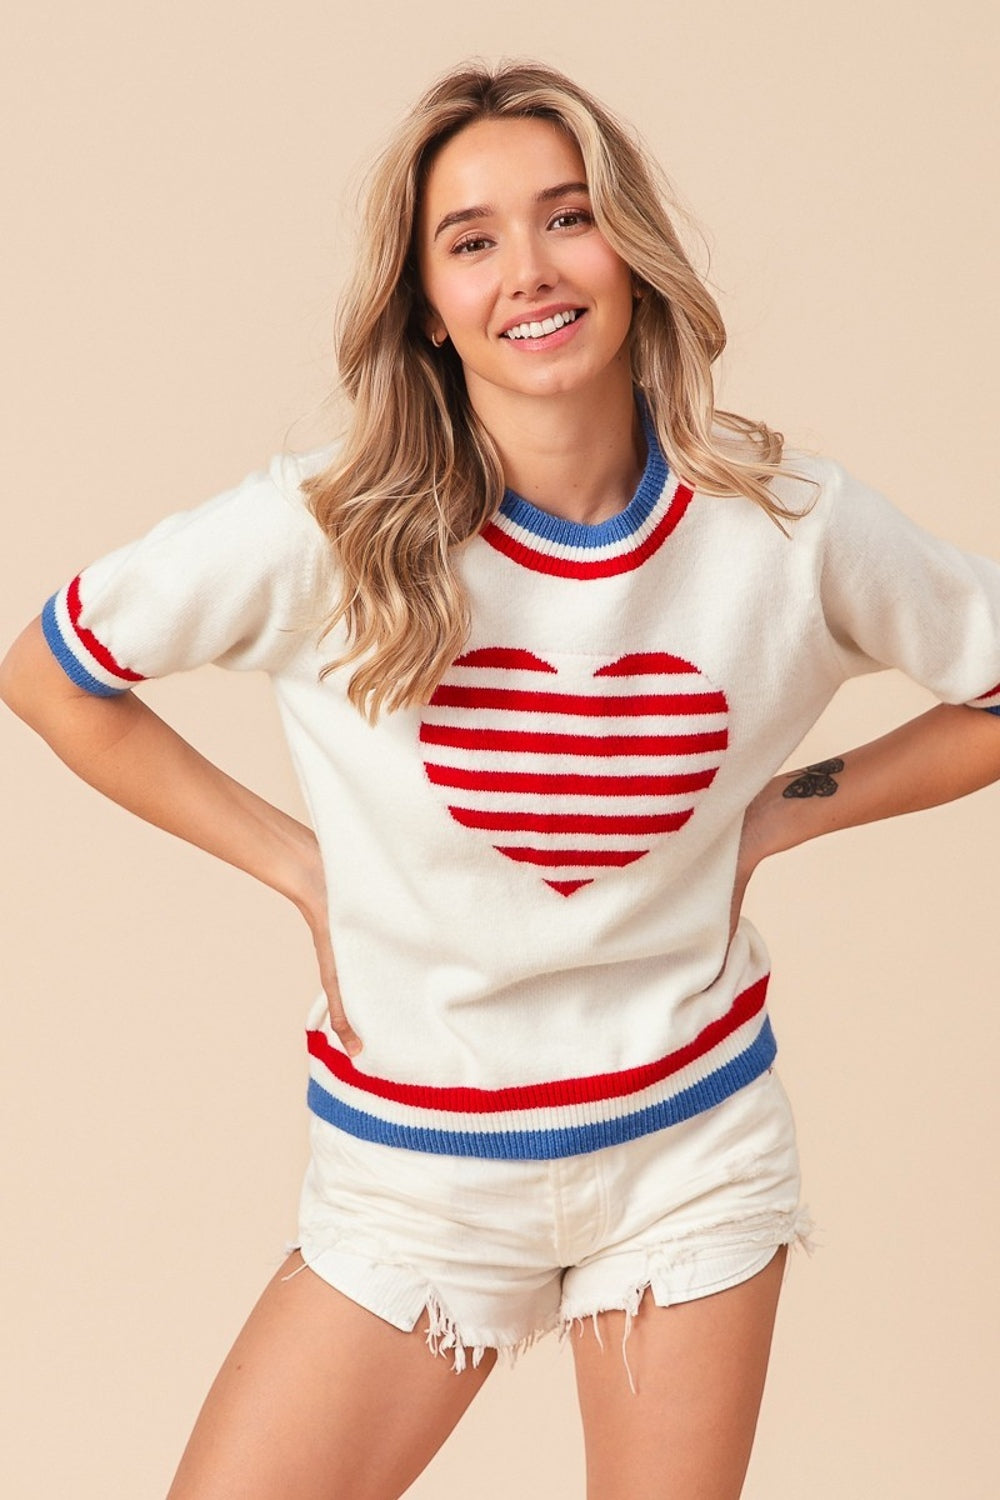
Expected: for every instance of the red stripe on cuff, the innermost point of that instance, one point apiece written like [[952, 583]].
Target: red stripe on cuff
[[88, 639]]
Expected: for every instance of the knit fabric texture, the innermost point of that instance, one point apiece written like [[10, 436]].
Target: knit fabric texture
[[530, 876]]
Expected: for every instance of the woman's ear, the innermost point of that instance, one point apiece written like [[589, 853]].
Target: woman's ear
[[422, 314], [435, 329]]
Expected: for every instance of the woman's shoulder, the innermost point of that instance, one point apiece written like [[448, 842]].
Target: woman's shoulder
[[284, 480], [805, 477], [288, 471], [808, 480]]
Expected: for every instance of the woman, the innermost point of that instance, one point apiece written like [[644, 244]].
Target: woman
[[543, 630]]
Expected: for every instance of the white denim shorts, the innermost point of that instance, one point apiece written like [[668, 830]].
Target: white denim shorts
[[501, 1252]]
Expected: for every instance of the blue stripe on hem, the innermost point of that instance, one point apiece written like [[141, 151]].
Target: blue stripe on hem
[[64, 656], [994, 710], [546, 1145]]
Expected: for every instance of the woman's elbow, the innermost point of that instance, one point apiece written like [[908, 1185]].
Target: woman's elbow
[[30, 676]]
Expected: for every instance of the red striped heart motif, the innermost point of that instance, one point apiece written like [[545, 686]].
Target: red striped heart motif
[[578, 776]]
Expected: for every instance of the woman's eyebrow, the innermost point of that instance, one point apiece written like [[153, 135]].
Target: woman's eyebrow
[[484, 211]]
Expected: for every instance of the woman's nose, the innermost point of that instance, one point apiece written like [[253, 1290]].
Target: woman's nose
[[528, 266]]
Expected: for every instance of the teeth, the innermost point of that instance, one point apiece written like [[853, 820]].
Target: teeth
[[538, 330]]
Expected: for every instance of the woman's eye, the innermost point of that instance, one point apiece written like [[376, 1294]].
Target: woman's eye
[[474, 242], [571, 217]]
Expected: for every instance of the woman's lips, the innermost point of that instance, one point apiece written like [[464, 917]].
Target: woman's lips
[[547, 340]]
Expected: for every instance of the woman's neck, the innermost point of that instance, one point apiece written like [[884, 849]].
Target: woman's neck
[[577, 458]]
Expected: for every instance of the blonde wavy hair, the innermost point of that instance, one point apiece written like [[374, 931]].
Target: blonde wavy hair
[[417, 473]]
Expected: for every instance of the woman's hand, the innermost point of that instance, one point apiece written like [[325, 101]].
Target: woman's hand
[[312, 903]]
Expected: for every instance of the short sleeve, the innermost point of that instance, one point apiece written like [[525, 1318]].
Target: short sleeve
[[894, 595], [235, 581]]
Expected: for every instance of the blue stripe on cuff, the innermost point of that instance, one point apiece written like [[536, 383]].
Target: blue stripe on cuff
[[64, 656]]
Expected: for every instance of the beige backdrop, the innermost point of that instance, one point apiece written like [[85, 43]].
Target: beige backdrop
[[183, 176]]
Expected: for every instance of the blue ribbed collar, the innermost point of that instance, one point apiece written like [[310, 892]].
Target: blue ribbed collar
[[542, 524]]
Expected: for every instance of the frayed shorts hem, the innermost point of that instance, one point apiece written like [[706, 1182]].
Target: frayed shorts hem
[[674, 1272]]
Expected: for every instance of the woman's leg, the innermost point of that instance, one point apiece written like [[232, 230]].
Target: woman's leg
[[699, 1371], [319, 1399]]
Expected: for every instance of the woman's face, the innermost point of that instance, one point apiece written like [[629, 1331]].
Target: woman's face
[[514, 269]]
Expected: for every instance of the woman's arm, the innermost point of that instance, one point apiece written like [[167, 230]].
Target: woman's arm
[[945, 753], [123, 749]]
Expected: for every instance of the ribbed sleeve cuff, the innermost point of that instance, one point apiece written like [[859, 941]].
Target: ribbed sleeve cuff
[[84, 659]]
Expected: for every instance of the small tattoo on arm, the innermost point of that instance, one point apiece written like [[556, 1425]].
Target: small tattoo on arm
[[815, 781]]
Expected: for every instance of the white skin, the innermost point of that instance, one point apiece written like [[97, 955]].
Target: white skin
[[320, 1399]]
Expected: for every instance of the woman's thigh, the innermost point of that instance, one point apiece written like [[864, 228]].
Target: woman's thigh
[[320, 1399], [687, 1430]]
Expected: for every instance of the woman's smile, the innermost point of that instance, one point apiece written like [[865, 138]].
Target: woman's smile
[[539, 329]]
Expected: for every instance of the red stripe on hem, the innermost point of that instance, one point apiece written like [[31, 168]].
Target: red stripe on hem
[[586, 1090]]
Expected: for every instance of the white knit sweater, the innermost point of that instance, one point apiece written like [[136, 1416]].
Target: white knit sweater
[[530, 878]]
